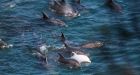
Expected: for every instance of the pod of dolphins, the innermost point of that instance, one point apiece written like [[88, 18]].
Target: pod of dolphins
[[72, 10], [69, 56]]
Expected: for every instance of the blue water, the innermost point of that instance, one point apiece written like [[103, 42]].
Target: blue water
[[22, 26]]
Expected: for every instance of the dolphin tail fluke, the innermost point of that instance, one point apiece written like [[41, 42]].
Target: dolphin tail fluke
[[45, 16]]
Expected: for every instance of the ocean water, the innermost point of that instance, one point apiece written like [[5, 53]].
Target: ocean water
[[22, 26]]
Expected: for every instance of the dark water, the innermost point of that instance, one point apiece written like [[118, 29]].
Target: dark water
[[20, 24]]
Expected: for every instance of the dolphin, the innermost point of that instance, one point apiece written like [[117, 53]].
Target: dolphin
[[79, 50], [53, 20], [63, 8], [41, 54], [69, 62], [95, 44], [113, 5]]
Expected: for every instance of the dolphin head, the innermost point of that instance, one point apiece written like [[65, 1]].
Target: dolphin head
[[71, 13]]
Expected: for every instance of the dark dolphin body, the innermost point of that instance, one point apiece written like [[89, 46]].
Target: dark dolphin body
[[69, 62], [63, 8], [53, 20], [67, 51], [114, 6]]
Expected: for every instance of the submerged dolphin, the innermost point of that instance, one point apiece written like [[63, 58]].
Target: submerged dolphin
[[95, 44], [53, 20], [63, 8], [113, 5]]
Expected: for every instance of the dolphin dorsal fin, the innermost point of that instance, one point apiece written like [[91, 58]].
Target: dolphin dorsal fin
[[62, 37], [45, 16], [61, 56]]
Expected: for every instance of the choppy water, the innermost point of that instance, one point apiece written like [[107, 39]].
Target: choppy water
[[21, 25]]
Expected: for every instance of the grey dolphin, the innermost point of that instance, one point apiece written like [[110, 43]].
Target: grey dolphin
[[53, 20], [63, 8], [95, 44], [41, 57], [69, 62], [113, 5], [79, 50], [41, 54]]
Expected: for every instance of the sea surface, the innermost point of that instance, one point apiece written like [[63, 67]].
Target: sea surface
[[21, 24]]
